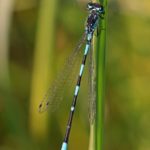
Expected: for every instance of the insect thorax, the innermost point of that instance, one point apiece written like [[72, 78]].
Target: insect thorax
[[92, 22]]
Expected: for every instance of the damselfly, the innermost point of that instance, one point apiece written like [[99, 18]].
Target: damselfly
[[96, 12]]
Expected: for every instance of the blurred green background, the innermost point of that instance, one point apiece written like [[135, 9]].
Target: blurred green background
[[35, 39]]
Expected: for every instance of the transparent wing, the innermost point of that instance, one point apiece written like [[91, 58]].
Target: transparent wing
[[54, 95], [92, 89]]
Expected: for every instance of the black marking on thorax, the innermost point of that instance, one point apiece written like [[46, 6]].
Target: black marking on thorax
[[92, 21]]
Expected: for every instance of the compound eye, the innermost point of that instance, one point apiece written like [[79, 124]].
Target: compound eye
[[101, 9]]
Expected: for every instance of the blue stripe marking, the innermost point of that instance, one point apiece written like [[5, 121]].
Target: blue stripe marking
[[86, 49], [76, 90], [64, 146], [81, 69], [89, 37], [72, 108]]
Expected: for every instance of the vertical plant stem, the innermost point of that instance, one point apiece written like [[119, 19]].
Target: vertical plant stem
[[42, 64], [92, 138], [6, 11], [11, 115], [99, 46], [100, 80]]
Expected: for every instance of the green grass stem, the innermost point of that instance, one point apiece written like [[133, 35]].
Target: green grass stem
[[99, 46], [100, 80]]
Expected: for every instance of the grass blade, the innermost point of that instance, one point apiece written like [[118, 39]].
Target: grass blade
[[100, 80], [43, 58]]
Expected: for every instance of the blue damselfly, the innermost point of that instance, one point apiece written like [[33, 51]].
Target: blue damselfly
[[96, 12]]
